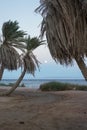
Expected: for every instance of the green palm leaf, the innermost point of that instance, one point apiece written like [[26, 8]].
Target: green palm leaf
[[33, 43], [30, 62], [11, 32], [12, 35], [12, 39]]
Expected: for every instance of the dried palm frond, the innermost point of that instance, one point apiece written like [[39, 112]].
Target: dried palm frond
[[30, 63], [9, 58], [65, 25]]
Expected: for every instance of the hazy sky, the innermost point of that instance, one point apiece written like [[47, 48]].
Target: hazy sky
[[23, 12]]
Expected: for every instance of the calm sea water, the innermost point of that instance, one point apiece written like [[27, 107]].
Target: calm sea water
[[35, 83]]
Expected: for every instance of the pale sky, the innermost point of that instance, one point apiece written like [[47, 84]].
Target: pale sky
[[23, 12]]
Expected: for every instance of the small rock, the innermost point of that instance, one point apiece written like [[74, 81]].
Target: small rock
[[21, 122]]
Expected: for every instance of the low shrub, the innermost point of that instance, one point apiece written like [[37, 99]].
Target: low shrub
[[84, 88], [57, 86], [9, 84], [3, 84]]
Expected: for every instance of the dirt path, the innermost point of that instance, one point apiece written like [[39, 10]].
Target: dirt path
[[27, 110]]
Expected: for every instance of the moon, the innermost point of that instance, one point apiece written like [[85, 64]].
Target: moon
[[45, 61]]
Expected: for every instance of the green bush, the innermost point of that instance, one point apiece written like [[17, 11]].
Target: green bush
[[84, 88], [9, 84], [57, 86], [3, 84]]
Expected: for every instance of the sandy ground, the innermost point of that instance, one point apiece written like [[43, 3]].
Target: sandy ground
[[34, 110]]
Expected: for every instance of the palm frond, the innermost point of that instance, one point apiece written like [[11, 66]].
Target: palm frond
[[65, 25], [19, 45], [84, 5], [30, 63], [33, 43], [9, 58], [11, 32]]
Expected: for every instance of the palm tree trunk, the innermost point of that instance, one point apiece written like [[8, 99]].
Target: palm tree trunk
[[15, 85], [1, 71], [82, 67]]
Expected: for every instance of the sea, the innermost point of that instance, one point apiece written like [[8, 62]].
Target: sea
[[35, 83]]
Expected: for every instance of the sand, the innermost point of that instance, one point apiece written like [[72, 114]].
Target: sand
[[28, 109]]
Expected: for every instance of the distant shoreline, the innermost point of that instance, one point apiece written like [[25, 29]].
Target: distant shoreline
[[35, 83]]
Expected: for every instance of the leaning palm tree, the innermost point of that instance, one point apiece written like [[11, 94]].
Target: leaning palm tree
[[65, 25], [29, 61], [10, 40]]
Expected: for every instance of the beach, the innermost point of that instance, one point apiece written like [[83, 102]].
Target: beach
[[31, 109]]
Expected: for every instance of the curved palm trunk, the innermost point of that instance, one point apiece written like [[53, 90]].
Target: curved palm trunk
[[1, 71], [82, 67], [15, 85]]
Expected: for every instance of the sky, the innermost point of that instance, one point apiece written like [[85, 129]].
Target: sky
[[29, 21]]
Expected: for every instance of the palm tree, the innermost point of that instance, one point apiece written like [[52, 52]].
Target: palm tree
[[29, 61], [10, 40], [65, 25]]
